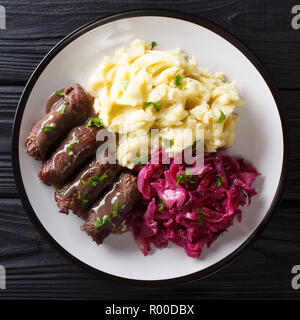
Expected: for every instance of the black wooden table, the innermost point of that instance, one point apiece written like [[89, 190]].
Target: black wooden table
[[34, 268]]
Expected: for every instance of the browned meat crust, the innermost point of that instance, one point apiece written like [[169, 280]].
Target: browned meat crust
[[79, 145], [86, 185], [63, 117], [125, 193]]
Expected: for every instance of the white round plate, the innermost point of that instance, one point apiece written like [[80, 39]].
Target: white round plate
[[261, 137]]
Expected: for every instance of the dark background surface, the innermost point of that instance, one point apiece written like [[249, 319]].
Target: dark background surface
[[34, 268]]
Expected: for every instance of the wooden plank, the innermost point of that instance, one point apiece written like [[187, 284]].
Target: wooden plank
[[34, 28], [37, 270], [9, 98]]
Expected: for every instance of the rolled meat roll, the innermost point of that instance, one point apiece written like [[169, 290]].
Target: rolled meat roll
[[81, 193], [79, 145], [109, 212], [70, 111]]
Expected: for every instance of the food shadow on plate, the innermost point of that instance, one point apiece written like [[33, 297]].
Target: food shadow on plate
[[121, 242]]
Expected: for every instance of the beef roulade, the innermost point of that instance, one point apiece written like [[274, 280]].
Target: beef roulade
[[71, 110], [79, 145], [106, 215], [79, 194]]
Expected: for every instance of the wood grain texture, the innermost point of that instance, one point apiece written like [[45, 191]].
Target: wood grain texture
[[34, 268], [34, 27]]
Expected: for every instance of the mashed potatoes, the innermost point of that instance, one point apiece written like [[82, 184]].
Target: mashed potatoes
[[140, 89]]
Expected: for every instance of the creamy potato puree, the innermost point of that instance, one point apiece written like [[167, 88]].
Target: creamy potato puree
[[141, 89]]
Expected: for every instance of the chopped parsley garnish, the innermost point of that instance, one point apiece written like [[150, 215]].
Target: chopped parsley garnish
[[219, 180], [168, 143], [125, 84], [69, 150], [94, 180], [153, 44], [222, 117], [83, 199], [95, 122], [75, 140], [116, 208], [60, 93], [162, 204], [100, 222], [48, 128], [200, 217], [156, 105], [63, 107], [194, 145], [186, 177], [202, 212], [178, 81], [139, 161]]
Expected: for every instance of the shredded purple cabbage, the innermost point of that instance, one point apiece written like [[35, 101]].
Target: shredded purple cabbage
[[190, 214]]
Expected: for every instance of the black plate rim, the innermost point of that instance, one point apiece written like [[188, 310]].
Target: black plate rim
[[88, 27]]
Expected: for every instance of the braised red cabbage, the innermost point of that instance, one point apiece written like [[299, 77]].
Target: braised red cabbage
[[193, 212]]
